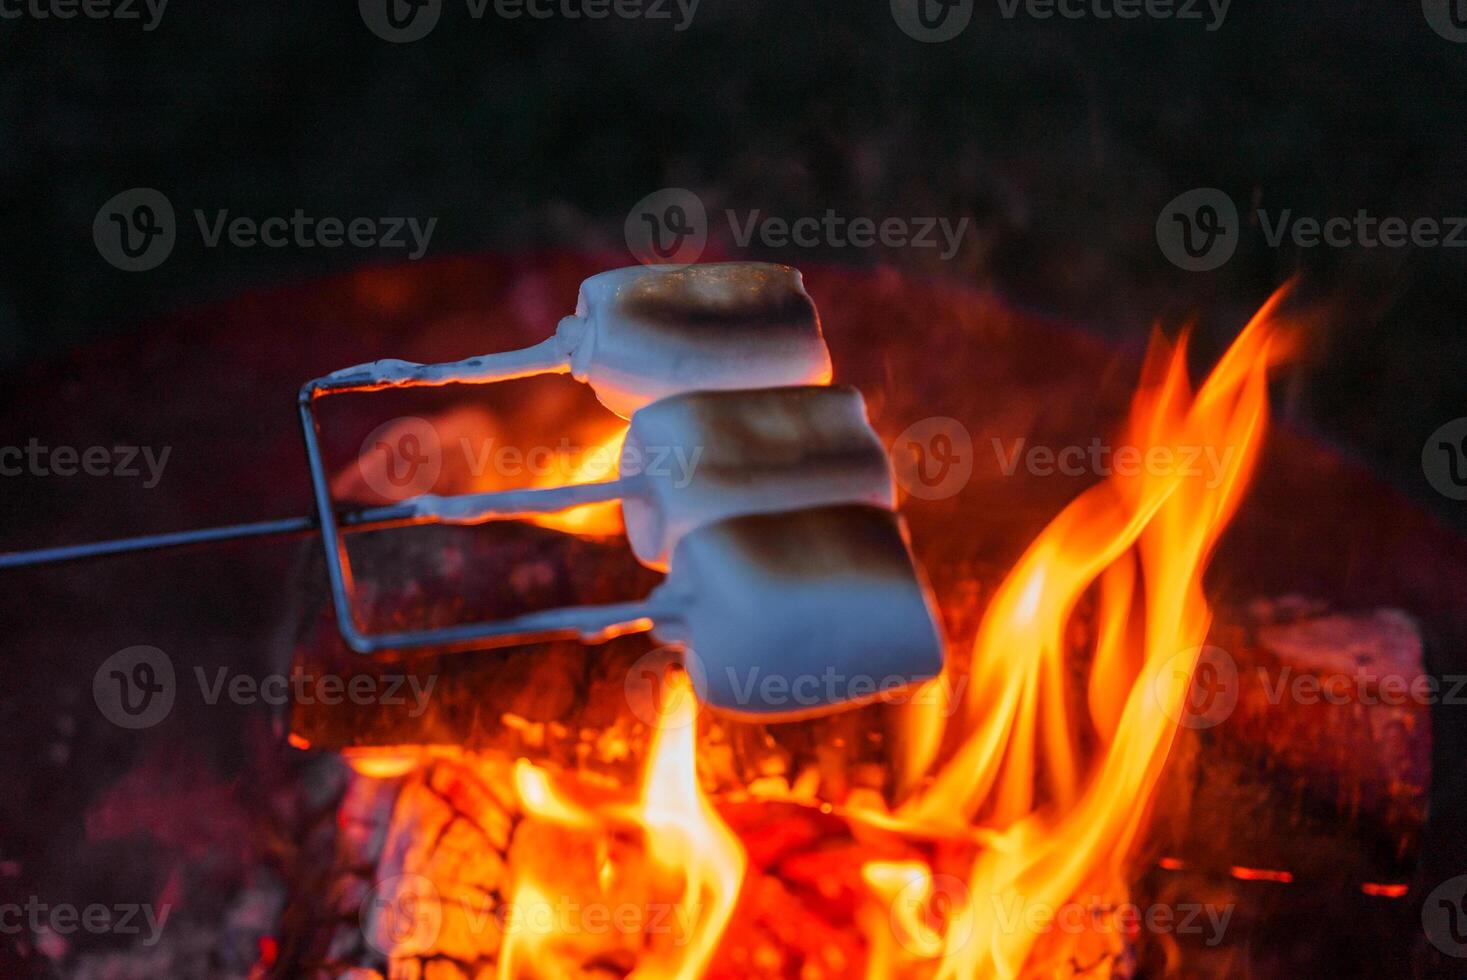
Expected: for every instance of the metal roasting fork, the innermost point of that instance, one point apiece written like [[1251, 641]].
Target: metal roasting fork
[[608, 344], [590, 623]]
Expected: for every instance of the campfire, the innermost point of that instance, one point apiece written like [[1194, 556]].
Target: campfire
[[595, 817], [1033, 664]]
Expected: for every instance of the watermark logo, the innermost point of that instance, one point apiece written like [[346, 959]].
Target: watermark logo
[[668, 227], [1198, 231], [134, 688], [400, 21], [1444, 917], [932, 21], [1444, 459], [1448, 18], [929, 914], [1209, 699], [933, 458], [402, 916], [651, 699], [135, 230], [402, 458]]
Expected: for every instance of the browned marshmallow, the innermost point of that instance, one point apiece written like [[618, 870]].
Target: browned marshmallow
[[792, 614]]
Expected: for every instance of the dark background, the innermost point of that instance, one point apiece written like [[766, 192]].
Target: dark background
[[1061, 140]]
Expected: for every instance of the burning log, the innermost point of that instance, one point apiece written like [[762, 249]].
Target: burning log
[[1314, 773]]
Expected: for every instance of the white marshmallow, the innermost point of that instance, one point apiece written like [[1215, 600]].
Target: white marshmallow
[[794, 614], [696, 458]]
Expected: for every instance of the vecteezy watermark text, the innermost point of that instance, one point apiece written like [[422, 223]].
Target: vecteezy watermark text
[[1179, 10], [1363, 229], [124, 10], [935, 21], [1098, 459], [306, 231], [64, 919], [1201, 687], [35, 459], [833, 230], [403, 21], [1013, 913], [404, 915], [1363, 686]]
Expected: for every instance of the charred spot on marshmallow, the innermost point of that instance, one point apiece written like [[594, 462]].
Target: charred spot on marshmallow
[[821, 541], [744, 433], [745, 296]]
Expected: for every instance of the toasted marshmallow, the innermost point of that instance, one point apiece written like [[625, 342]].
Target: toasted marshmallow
[[693, 459], [793, 614], [647, 332]]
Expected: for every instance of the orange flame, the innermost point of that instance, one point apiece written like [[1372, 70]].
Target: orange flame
[[1055, 820], [597, 463], [685, 832], [684, 837]]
